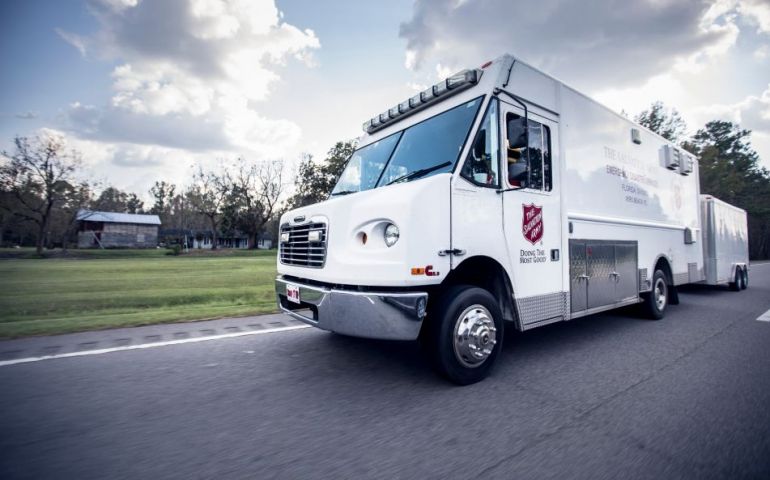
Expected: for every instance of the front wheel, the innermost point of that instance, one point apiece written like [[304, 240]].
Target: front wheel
[[656, 301], [464, 334], [745, 282]]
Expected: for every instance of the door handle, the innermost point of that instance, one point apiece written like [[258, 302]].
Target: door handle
[[616, 275], [456, 252], [584, 277]]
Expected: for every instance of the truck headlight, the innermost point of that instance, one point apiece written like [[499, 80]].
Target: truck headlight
[[391, 235], [314, 236], [285, 237]]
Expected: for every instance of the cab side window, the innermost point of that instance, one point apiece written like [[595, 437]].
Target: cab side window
[[482, 166], [535, 174]]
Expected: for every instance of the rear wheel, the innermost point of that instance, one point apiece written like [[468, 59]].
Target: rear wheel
[[656, 302], [464, 334], [745, 280]]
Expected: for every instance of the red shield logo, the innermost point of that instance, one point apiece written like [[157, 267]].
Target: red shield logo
[[532, 223]]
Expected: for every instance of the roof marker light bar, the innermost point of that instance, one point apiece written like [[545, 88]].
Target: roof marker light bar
[[440, 91]]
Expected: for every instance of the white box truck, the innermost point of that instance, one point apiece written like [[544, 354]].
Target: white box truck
[[500, 198]]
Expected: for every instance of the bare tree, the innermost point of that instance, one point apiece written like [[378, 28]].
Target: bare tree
[[38, 174], [208, 194], [255, 194]]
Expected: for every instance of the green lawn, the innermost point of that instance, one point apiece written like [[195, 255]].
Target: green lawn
[[119, 289]]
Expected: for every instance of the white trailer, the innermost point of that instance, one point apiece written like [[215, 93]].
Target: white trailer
[[498, 198], [725, 244]]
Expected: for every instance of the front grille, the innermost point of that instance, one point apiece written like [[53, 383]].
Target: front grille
[[301, 252]]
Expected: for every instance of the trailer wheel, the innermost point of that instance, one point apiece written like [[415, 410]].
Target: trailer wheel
[[656, 302], [464, 334], [736, 284], [745, 279]]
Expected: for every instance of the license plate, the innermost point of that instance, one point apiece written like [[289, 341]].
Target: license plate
[[292, 293]]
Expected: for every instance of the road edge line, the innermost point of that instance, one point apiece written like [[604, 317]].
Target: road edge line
[[101, 351]]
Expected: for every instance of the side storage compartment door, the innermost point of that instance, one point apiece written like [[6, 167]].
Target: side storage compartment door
[[600, 261], [626, 272], [577, 275]]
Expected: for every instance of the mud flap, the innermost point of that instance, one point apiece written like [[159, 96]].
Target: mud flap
[[673, 295]]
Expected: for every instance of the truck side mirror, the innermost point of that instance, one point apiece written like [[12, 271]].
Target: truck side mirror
[[517, 132], [480, 145]]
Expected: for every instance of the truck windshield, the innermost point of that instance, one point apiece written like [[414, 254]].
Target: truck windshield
[[365, 166], [427, 148]]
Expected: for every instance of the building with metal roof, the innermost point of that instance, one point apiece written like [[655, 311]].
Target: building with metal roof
[[117, 230], [115, 217]]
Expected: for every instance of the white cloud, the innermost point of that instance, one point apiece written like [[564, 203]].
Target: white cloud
[[593, 42], [665, 88], [443, 71], [416, 87], [753, 113], [762, 52], [758, 11], [191, 74], [73, 39], [761, 143], [119, 5], [134, 167], [160, 89]]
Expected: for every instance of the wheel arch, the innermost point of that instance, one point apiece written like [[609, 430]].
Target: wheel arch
[[662, 262], [487, 273]]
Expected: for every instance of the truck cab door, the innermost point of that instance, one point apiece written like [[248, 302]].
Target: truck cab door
[[532, 214], [476, 205]]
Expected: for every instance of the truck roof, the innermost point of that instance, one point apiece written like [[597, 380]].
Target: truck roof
[[503, 67]]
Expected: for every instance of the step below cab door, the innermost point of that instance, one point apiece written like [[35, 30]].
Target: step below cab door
[[532, 213]]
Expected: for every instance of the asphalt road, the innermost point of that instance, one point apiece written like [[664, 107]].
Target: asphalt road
[[607, 396]]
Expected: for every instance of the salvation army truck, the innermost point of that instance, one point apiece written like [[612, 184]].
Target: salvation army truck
[[501, 198]]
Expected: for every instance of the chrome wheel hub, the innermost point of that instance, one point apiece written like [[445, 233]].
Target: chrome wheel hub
[[475, 336], [660, 294]]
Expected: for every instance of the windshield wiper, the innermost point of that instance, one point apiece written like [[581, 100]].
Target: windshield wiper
[[344, 192], [418, 173]]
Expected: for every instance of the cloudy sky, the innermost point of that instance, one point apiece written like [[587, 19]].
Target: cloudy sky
[[147, 88]]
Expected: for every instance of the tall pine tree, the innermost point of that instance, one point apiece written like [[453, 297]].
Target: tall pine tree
[[730, 170]]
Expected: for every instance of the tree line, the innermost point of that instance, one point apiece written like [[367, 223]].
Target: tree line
[[41, 190]]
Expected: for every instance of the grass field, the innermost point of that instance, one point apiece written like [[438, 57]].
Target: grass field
[[122, 288]]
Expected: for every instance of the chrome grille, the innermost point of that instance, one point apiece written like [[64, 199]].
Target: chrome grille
[[299, 250]]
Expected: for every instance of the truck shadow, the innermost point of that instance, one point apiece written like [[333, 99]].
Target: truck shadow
[[406, 361], [696, 289]]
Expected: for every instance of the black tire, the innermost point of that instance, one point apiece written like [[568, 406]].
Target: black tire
[[653, 308], [474, 305], [735, 285], [745, 279]]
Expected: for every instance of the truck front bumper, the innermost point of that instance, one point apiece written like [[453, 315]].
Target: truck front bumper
[[384, 315]]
